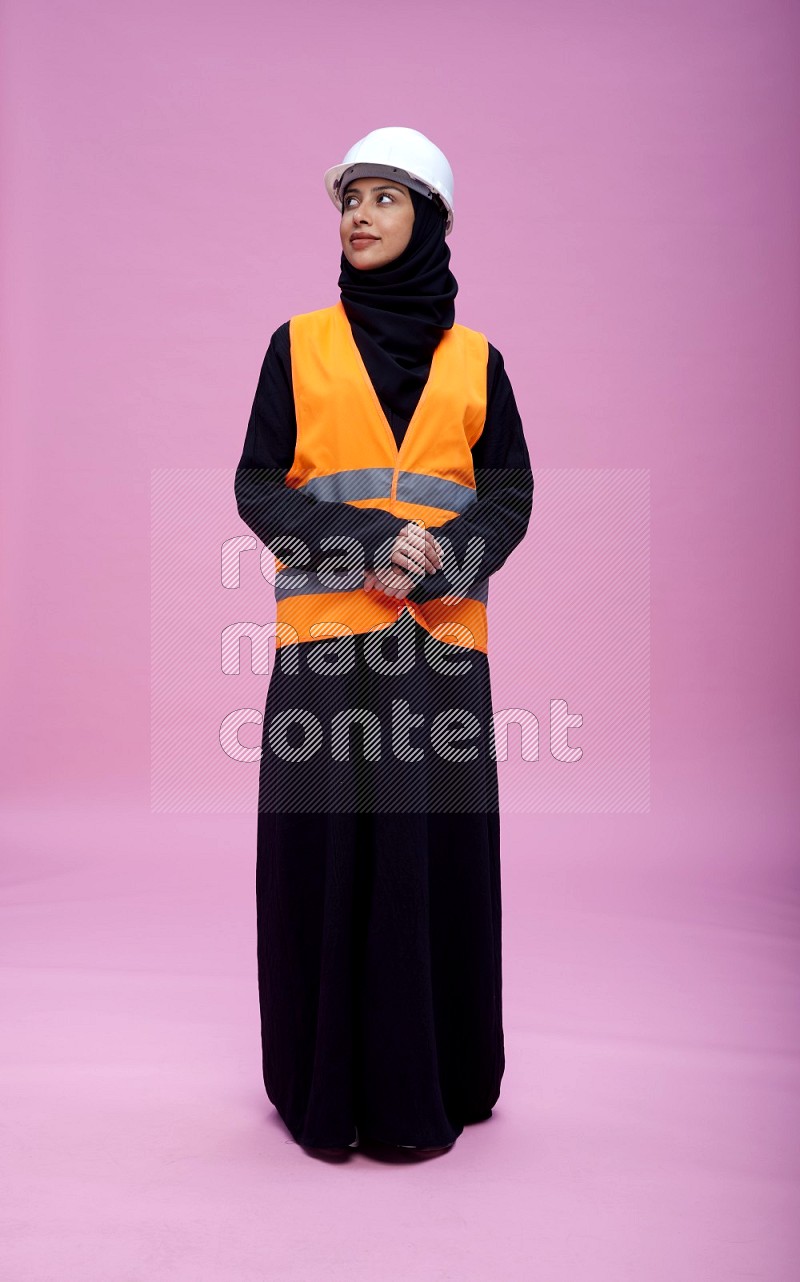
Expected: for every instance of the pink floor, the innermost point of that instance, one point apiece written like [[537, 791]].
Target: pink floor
[[647, 1127]]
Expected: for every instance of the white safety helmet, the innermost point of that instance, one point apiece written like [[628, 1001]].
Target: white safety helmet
[[396, 152]]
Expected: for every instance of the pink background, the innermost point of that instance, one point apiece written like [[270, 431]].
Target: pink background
[[627, 200]]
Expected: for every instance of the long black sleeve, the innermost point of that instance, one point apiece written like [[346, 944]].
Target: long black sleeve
[[498, 519], [274, 510]]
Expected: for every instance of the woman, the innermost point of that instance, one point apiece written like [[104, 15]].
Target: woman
[[386, 468]]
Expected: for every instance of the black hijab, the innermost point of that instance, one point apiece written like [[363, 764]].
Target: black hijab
[[399, 311]]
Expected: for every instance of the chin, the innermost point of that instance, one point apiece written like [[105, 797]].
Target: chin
[[359, 264]]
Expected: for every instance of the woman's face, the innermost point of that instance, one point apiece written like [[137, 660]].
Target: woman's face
[[377, 220]]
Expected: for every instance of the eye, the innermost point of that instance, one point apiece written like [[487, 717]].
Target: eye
[[381, 196]]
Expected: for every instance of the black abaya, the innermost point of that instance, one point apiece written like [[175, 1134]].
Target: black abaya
[[378, 882]]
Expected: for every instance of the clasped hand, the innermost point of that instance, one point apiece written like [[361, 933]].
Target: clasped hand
[[416, 552]]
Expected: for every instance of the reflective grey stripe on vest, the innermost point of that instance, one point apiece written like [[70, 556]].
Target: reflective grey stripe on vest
[[313, 584], [376, 483], [433, 491], [358, 483]]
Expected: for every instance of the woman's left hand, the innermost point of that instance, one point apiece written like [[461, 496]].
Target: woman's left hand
[[415, 547]]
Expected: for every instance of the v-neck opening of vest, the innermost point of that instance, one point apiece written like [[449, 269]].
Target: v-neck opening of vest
[[397, 449]]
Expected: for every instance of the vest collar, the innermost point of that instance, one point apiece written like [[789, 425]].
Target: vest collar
[[341, 316]]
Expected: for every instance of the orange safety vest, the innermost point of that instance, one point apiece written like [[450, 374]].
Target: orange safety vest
[[346, 452]]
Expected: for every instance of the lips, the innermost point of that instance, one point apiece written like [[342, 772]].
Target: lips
[[355, 239]]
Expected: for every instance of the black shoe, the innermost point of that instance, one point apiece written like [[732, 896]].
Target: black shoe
[[414, 1148]]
